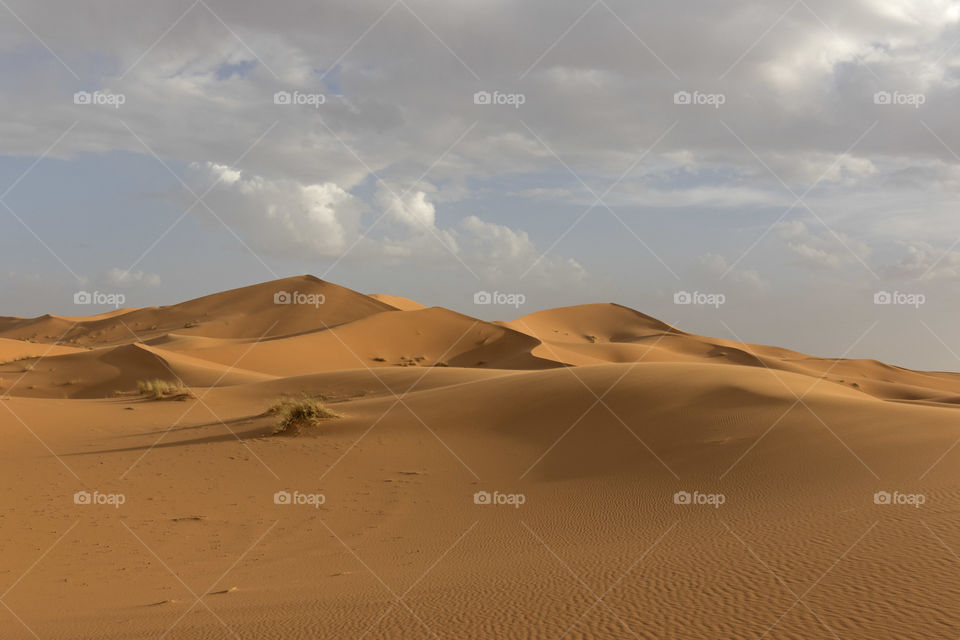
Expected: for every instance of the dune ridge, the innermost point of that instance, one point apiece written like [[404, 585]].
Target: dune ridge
[[350, 330]]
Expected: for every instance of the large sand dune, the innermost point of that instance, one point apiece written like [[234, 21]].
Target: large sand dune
[[597, 418]]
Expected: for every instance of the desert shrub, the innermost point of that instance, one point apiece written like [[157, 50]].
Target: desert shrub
[[161, 389], [303, 411]]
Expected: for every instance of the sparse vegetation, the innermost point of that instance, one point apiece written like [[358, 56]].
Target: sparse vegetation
[[378, 359], [189, 325], [162, 389], [442, 363], [297, 413], [592, 339], [18, 359]]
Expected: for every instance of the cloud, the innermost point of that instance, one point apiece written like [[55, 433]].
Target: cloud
[[398, 98], [505, 252], [324, 221], [718, 267], [280, 215], [125, 278], [921, 261], [411, 210], [822, 249]]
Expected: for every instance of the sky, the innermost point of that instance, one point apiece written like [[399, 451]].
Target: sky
[[773, 172]]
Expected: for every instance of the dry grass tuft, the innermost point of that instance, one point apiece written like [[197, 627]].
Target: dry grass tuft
[[158, 389], [300, 412]]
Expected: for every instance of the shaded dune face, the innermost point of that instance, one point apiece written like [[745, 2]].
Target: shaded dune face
[[499, 476]]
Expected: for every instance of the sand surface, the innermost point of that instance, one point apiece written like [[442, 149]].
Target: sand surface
[[586, 422]]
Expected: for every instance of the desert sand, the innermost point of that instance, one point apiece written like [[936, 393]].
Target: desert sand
[[643, 482]]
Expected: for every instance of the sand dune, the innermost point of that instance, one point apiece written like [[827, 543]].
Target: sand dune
[[425, 337], [597, 415], [22, 350], [398, 302], [282, 307], [594, 334]]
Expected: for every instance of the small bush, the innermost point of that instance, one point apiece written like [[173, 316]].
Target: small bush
[[162, 389], [304, 411], [189, 325]]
